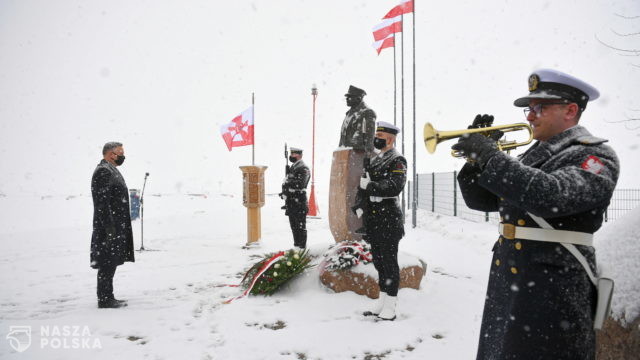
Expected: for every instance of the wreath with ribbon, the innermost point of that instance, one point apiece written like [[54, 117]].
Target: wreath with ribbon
[[346, 254], [275, 269]]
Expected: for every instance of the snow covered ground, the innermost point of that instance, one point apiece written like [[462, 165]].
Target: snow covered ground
[[175, 309], [175, 306]]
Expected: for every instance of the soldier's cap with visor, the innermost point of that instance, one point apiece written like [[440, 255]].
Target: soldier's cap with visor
[[387, 127], [354, 91], [295, 150], [556, 85]]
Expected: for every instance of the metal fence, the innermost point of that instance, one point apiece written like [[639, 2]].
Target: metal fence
[[439, 192]]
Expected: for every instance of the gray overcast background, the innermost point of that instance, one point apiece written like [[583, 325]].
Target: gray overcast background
[[161, 76]]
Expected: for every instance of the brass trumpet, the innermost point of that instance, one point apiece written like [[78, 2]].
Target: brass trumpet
[[432, 137]]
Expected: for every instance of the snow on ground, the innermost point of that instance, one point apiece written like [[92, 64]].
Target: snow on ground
[[175, 306], [618, 253]]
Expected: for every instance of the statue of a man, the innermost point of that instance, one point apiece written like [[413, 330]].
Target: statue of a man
[[358, 127]]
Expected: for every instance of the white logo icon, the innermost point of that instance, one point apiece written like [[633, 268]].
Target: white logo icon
[[19, 337]]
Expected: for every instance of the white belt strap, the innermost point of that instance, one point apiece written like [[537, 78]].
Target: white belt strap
[[604, 286], [378, 199], [548, 234], [570, 247]]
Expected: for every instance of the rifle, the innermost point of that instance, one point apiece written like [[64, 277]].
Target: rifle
[[287, 170]]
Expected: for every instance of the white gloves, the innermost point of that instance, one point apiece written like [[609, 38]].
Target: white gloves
[[359, 213], [364, 181]]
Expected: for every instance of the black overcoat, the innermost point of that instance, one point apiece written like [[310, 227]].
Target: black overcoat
[[540, 302], [110, 213], [294, 187], [388, 175]]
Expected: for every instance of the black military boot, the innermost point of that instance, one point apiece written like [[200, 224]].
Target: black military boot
[[111, 304]]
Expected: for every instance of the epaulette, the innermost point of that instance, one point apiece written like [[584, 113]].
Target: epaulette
[[590, 140]]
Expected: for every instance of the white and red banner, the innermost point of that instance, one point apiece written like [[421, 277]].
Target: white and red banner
[[239, 132], [387, 27], [405, 7], [389, 41]]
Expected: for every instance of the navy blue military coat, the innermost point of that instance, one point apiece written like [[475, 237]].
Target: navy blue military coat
[[294, 187], [388, 174], [540, 302], [110, 213]]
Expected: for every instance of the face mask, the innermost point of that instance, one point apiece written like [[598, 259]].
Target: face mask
[[292, 159], [379, 143], [119, 160]]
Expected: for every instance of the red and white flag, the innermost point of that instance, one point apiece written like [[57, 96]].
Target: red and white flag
[[389, 41], [387, 27], [405, 7], [239, 132]]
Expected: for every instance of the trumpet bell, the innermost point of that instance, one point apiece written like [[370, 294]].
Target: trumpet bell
[[430, 138]]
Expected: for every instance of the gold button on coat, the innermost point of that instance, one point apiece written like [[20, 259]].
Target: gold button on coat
[[514, 270], [521, 222], [497, 262], [519, 245]]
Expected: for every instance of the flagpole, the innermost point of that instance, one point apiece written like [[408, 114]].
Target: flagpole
[[394, 81], [414, 192], [253, 143], [402, 92]]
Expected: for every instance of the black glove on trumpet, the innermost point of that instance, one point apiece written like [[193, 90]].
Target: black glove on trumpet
[[476, 147]]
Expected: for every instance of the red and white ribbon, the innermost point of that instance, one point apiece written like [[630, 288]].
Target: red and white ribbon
[[261, 271]]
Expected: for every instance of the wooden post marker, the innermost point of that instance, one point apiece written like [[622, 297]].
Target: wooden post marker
[[253, 200]]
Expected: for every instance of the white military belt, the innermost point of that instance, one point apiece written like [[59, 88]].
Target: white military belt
[[378, 199], [297, 190], [510, 231]]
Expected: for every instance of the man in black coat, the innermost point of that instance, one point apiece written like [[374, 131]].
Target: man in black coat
[[294, 192], [383, 217], [112, 238], [540, 300]]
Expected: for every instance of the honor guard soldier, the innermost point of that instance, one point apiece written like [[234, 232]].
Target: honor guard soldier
[[383, 217], [359, 123], [541, 299], [294, 192]]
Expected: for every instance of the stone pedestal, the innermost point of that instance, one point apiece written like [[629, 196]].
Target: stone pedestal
[[362, 279], [346, 170]]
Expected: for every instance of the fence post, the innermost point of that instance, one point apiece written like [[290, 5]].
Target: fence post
[[433, 192], [606, 214], [455, 194], [416, 186], [486, 217], [409, 195]]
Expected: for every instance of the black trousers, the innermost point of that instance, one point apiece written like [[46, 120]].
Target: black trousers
[[384, 250], [298, 224], [105, 282]]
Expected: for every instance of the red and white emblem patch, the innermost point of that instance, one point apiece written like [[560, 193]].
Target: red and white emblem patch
[[593, 165]]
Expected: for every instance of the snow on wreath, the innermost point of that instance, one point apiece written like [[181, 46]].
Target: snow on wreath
[[274, 270], [346, 254]]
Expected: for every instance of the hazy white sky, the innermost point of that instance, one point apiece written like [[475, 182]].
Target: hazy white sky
[[162, 76]]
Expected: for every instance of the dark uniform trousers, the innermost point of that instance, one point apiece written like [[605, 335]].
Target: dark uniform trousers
[[383, 218], [105, 282], [384, 250], [298, 224]]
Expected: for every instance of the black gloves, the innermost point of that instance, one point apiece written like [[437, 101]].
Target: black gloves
[[477, 147]]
